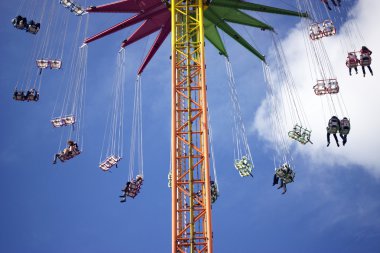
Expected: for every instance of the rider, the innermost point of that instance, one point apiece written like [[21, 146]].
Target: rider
[[352, 62], [365, 55], [344, 129], [332, 128], [71, 148]]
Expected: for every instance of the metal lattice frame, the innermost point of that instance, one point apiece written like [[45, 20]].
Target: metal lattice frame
[[191, 206]]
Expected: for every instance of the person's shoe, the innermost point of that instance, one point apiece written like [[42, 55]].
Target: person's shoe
[[363, 75], [350, 74], [123, 200], [337, 144], [372, 73], [356, 72], [344, 143], [54, 162], [329, 8], [279, 187], [283, 192], [328, 144]]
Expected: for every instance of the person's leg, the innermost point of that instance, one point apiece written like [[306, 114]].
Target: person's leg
[[275, 179], [345, 139], [333, 1], [55, 158], [363, 70], [328, 139], [327, 4], [356, 70], [349, 70], [336, 139], [284, 189], [281, 184], [370, 70]]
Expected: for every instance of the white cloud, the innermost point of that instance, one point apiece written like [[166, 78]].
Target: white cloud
[[360, 95]]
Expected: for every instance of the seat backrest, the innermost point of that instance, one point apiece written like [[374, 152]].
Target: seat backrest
[[345, 126]]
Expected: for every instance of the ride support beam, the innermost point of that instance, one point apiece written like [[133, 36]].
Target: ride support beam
[[191, 189]]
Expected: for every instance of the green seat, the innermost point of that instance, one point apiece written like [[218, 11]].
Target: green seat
[[244, 166]]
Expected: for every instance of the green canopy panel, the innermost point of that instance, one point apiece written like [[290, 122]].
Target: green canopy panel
[[215, 19], [238, 4], [212, 35], [239, 17]]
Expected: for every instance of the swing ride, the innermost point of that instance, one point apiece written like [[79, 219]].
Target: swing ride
[[190, 23]]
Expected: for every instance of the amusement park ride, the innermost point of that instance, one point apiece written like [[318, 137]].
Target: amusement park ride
[[189, 22]]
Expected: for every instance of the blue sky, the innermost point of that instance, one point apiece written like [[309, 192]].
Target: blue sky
[[73, 207]]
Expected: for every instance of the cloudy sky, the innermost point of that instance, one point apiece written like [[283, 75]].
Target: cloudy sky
[[73, 207]]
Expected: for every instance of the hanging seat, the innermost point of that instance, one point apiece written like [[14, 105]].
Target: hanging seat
[[333, 125], [134, 187], [77, 10], [214, 192], [320, 88], [365, 59], [328, 28], [315, 31], [328, 86], [170, 179], [285, 173], [300, 134], [69, 154], [332, 86], [66, 3], [42, 64], [305, 137], [244, 166], [345, 126], [20, 22], [33, 27], [109, 162], [55, 64], [352, 60], [63, 121], [19, 95], [30, 95], [296, 132], [73, 7]]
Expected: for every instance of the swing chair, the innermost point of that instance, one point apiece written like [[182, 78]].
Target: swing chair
[[132, 188], [328, 86], [214, 192], [63, 121], [315, 31], [328, 28], [352, 60], [244, 166], [285, 173], [365, 59], [109, 162], [345, 126], [300, 134]]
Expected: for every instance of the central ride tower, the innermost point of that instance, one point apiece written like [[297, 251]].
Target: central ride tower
[[191, 205]]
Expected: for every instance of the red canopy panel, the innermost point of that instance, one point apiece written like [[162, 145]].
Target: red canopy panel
[[126, 6], [131, 21], [157, 43], [148, 27]]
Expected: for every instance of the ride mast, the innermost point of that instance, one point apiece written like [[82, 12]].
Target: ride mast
[[191, 200]]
